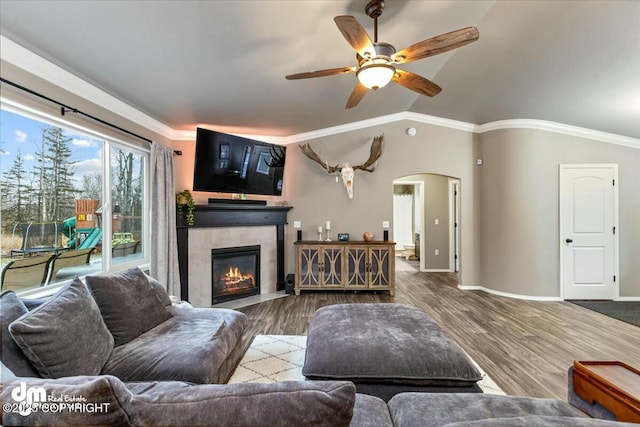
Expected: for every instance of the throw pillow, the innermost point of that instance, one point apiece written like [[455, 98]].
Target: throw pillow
[[159, 290], [11, 308], [284, 403], [128, 303], [72, 401], [66, 335]]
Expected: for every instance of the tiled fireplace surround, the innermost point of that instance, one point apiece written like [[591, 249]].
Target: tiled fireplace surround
[[202, 240], [221, 226]]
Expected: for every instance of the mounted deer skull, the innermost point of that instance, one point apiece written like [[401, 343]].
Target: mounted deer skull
[[347, 172]]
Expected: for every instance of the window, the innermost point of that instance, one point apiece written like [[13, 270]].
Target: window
[[67, 208], [127, 198]]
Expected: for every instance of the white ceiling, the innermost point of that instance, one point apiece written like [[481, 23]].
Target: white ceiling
[[222, 63]]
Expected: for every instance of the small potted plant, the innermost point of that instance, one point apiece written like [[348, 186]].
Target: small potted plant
[[184, 198]]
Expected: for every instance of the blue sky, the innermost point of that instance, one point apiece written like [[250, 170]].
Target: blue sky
[[19, 133]]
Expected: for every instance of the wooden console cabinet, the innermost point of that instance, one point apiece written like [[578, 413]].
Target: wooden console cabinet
[[345, 265]]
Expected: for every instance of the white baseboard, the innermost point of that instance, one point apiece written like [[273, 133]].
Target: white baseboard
[[507, 294], [437, 270], [627, 299]]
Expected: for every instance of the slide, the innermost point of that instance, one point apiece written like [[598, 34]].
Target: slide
[[92, 239], [69, 230]]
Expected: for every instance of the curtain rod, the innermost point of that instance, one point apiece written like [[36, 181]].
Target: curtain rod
[[65, 108]]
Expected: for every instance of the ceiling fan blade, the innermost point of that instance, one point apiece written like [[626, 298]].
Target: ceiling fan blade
[[356, 35], [356, 96], [416, 83], [321, 73], [436, 45]]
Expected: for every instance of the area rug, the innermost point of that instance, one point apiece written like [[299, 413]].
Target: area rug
[[627, 311], [272, 358]]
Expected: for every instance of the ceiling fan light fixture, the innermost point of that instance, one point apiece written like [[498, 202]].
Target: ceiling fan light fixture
[[375, 74]]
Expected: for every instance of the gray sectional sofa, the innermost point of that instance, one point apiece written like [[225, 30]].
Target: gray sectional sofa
[[107, 401], [116, 352], [120, 324]]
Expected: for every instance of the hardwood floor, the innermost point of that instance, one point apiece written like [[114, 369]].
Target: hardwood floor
[[525, 346]]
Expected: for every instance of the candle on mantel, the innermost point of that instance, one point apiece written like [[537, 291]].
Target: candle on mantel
[[319, 229], [328, 225]]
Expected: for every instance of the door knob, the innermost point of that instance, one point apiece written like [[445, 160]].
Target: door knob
[[569, 240]]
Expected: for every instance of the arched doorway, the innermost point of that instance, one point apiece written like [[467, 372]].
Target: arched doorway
[[426, 220]]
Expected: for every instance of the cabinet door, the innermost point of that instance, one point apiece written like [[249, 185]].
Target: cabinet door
[[380, 267], [356, 267], [309, 266], [332, 266]]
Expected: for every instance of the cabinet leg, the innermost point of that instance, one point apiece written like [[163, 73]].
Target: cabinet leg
[[392, 292], [297, 291]]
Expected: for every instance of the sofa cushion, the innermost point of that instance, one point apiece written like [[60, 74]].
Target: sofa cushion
[[411, 409], [541, 421], [370, 411], [65, 336], [128, 303], [78, 400], [288, 403], [384, 343], [11, 308], [191, 346], [140, 387]]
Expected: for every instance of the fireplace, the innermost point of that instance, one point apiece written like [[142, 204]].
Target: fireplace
[[235, 273]]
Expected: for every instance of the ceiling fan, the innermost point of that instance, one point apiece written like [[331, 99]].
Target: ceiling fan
[[377, 60]]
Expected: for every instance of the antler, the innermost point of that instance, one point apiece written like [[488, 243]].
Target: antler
[[308, 151], [277, 157], [374, 155]]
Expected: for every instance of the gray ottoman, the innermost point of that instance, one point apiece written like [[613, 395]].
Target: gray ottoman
[[465, 410], [386, 349]]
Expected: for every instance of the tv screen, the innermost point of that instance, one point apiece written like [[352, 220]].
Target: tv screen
[[232, 164]]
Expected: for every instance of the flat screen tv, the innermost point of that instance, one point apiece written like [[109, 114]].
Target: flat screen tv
[[232, 164]]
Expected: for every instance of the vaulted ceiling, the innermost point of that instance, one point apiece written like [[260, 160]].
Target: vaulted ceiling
[[223, 63]]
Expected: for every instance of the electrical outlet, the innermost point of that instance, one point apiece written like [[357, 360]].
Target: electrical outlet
[[385, 224], [437, 252], [436, 221]]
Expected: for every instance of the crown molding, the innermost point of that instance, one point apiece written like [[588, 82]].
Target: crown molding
[[559, 128], [376, 121], [29, 61], [468, 127], [32, 63]]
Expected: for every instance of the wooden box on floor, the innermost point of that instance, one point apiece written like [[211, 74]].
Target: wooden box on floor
[[614, 385]]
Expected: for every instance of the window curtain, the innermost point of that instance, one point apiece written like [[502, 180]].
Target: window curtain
[[164, 242]]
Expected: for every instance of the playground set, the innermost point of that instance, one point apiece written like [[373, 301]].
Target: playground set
[[50, 246]]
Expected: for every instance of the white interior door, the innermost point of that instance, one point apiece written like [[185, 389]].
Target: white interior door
[[588, 217]]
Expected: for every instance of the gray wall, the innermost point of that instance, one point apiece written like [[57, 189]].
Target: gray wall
[[316, 197], [436, 235], [518, 208]]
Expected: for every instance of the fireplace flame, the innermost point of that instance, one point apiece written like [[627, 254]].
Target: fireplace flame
[[235, 276]]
